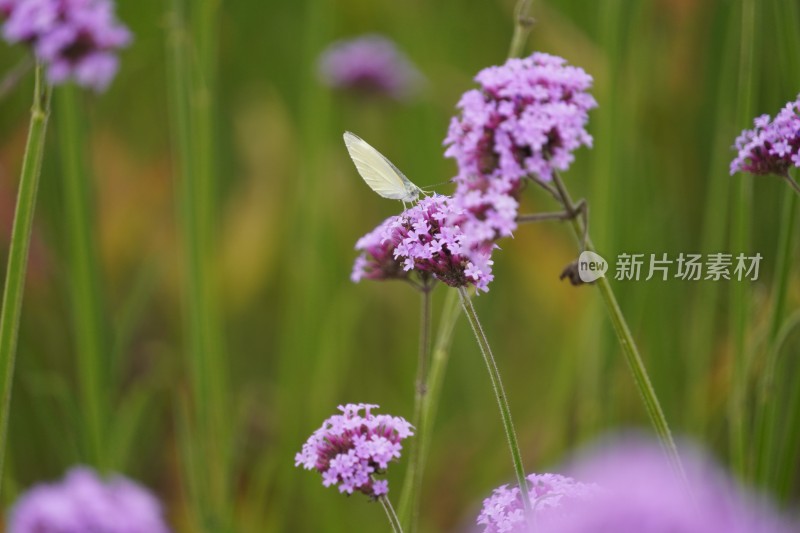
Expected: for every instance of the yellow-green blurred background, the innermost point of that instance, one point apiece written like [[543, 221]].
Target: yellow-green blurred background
[[299, 338]]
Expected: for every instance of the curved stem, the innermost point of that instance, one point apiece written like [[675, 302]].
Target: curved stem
[[391, 515], [20, 244], [626, 341], [410, 494], [500, 394]]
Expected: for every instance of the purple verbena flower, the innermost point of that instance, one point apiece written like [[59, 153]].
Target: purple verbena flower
[[638, 490], [349, 449], [772, 146], [429, 239], [550, 496], [76, 39], [83, 502], [527, 119], [370, 64]]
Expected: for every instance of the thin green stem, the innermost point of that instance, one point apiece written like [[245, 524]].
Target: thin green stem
[[18, 250], [500, 395], [412, 485], [83, 277], [793, 183], [626, 341], [391, 515], [522, 28], [740, 241]]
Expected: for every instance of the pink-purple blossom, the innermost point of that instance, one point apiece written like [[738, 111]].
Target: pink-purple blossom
[[633, 487], [526, 119], [77, 40], [371, 65], [772, 146], [430, 240], [83, 502], [350, 449], [550, 496]]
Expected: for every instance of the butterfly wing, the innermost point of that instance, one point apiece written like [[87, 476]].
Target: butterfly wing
[[378, 172]]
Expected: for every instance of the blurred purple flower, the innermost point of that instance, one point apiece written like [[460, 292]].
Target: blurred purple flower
[[427, 238], [639, 491], [82, 502], [550, 496], [76, 39], [526, 119], [370, 64], [772, 146], [349, 449]]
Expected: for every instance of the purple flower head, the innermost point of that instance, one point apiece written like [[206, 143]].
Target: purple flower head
[[772, 146], [550, 495], [527, 118], [427, 238], [76, 39], [83, 502], [370, 64], [349, 449], [639, 491]]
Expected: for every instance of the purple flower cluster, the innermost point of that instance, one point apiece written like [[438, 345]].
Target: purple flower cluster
[[772, 146], [83, 502], [350, 448], [638, 491], [526, 120], [75, 39], [550, 495], [427, 238], [371, 65]]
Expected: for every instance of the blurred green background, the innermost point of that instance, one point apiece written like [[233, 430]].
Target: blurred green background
[[298, 338]]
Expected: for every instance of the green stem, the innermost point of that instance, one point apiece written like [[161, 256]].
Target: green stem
[[765, 429], [740, 240], [391, 515], [83, 276], [18, 250], [412, 485], [626, 341], [500, 395], [793, 183], [522, 28]]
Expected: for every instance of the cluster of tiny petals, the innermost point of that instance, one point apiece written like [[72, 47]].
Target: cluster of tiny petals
[[551, 495], [772, 146], [350, 448], [527, 119], [427, 238], [76, 39], [377, 261], [83, 502], [370, 64]]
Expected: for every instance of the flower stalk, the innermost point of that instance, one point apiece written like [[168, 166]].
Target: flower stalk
[[391, 515], [626, 340], [20, 244], [411, 491], [500, 395]]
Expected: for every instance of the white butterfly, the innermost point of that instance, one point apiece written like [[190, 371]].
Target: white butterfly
[[378, 172]]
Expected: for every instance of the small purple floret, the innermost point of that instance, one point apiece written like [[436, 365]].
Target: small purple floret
[[772, 146], [349, 449], [370, 65], [83, 502], [429, 239]]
